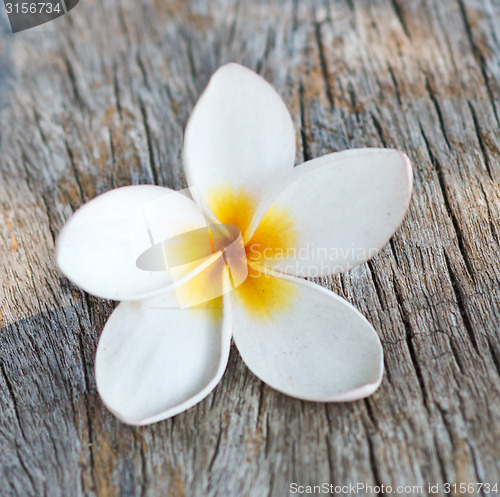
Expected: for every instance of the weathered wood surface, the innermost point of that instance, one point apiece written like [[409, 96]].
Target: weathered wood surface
[[99, 99]]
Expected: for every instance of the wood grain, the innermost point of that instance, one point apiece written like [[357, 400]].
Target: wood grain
[[99, 99]]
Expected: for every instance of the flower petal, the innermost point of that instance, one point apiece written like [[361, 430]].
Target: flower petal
[[154, 361], [239, 136], [336, 212], [317, 347], [98, 247]]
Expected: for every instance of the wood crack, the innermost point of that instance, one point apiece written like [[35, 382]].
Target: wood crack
[[395, 84], [142, 455], [399, 14], [460, 304], [216, 451], [477, 469], [447, 203], [303, 126], [149, 142], [260, 405], [323, 64], [74, 169], [74, 82], [376, 285], [267, 50], [88, 382], [480, 140], [379, 129], [374, 464], [409, 342], [10, 388], [232, 29], [142, 69], [494, 358], [493, 229], [437, 107], [449, 432], [116, 91]]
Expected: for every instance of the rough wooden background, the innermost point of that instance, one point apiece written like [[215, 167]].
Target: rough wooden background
[[99, 99]]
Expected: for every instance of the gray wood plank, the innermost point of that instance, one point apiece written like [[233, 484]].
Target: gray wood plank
[[99, 99]]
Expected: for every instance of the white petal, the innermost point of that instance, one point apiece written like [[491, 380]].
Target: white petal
[[305, 341], [98, 247], [334, 212], [154, 361], [240, 135]]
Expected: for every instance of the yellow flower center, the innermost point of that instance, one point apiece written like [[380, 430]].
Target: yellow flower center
[[261, 295]]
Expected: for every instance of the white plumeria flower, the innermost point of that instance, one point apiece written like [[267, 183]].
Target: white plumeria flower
[[326, 216]]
